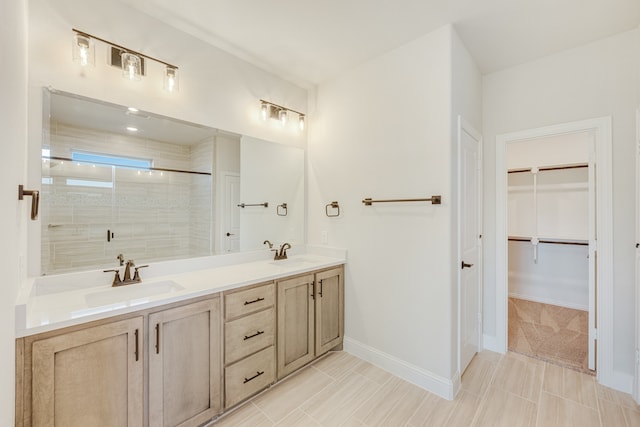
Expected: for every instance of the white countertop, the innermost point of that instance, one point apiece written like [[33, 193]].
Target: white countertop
[[54, 302]]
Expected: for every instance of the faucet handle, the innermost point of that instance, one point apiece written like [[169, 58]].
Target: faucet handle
[[136, 275], [116, 278], [120, 258]]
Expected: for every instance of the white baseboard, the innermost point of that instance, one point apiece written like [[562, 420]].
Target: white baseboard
[[443, 387], [618, 381], [490, 343]]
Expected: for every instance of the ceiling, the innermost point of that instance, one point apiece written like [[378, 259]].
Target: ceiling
[[102, 116], [310, 42]]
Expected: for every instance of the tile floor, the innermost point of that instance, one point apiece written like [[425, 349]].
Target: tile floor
[[510, 390]]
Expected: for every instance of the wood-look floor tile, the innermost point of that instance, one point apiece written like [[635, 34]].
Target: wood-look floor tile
[[246, 416], [297, 418], [433, 411], [520, 375], [381, 402], [556, 411], [466, 407], [616, 396], [375, 374], [611, 414], [631, 416], [291, 393], [404, 410], [501, 408], [571, 385], [338, 363], [340, 399], [477, 376]]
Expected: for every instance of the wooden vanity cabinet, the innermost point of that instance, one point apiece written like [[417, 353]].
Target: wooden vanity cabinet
[[85, 377], [249, 335], [310, 317], [93, 376], [184, 364]]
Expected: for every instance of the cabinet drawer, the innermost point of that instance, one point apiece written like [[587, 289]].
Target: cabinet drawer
[[249, 334], [249, 376], [248, 301]]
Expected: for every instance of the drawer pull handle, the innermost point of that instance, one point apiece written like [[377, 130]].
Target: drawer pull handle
[[246, 337], [258, 373], [137, 345], [255, 300]]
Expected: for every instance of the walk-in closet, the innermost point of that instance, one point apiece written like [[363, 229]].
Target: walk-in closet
[[551, 275]]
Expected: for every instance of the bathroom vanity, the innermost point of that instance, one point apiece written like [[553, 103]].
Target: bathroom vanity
[[180, 349]]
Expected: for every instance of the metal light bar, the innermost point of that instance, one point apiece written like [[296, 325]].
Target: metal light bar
[[126, 49]]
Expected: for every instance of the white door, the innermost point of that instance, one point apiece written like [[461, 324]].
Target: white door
[[231, 213], [469, 242]]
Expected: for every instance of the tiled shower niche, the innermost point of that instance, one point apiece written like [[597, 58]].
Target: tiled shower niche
[[93, 211]]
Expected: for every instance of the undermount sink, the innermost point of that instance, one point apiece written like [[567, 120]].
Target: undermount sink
[[292, 262], [134, 292]]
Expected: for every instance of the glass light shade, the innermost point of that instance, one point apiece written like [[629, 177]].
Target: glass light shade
[[282, 116], [301, 122], [131, 68], [171, 79], [83, 50], [264, 110]]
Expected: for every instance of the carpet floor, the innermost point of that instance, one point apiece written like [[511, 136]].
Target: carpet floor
[[551, 333]]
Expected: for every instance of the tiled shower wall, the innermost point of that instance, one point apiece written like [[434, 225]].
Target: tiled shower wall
[[152, 215]]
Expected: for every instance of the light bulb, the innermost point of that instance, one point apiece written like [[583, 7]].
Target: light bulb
[[83, 50], [264, 110], [301, 121], [131, 67], [171, 79], [282, 115]]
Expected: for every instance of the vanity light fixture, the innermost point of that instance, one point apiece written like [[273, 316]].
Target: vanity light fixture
[[83, 49], [275, 111], [132, 62]]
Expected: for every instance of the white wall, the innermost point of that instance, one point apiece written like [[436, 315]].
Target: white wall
[[216, 88], [384, 130], [13, 214], [595, 80]]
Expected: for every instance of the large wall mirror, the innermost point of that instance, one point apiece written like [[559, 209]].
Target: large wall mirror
[[116, 180]]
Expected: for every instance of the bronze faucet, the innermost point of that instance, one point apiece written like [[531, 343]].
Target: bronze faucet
[[282, 254], [127, 279]]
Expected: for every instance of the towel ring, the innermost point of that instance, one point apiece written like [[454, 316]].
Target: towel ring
[[333, 205]]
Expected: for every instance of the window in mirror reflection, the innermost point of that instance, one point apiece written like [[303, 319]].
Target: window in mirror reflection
[[102, 196]]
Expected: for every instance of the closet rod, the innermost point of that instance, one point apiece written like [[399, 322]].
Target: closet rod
[[554, 242], [550, 168]]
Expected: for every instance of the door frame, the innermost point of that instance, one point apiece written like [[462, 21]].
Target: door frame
[[636, 379], [601, 127], [464, 126]]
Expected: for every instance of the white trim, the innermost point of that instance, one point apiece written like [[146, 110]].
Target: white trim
[[489, 343], [464, 126], [550, 301], [604, 217], [636, 380], [443, 387]]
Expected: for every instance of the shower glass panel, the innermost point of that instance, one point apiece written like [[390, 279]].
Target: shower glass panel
[[100, 204]]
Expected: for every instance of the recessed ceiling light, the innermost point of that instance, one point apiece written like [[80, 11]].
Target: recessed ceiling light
[[133, 109], [132, 129]]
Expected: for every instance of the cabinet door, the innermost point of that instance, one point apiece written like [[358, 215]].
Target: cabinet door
[[295, 323], [329, 309], [87, 377], [184, 364]]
